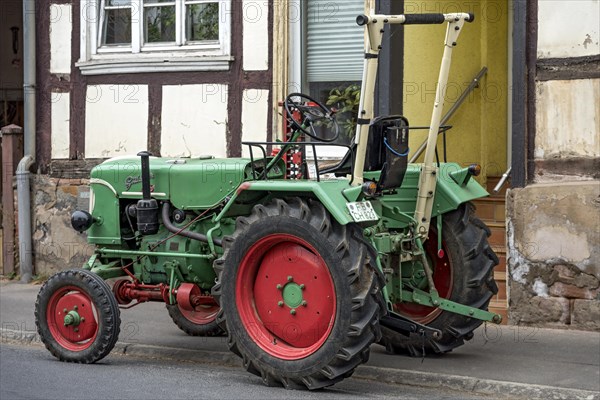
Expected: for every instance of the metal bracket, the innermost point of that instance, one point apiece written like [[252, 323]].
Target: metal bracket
[[425, 299], [91, 262], [440, 252], [175, 278], [407, 326]]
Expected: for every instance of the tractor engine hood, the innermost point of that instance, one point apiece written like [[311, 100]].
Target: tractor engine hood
[[189, 183]]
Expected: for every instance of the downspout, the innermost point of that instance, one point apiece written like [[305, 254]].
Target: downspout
[[23, 189]]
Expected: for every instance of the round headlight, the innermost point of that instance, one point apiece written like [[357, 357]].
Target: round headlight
[[81, 220]]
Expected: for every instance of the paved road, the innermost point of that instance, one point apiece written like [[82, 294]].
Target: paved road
[[31, 373], [505, 361]]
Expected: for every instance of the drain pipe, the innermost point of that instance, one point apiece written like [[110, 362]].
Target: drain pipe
[[23, 189]]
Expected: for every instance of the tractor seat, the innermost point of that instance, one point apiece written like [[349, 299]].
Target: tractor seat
[[387, 151]]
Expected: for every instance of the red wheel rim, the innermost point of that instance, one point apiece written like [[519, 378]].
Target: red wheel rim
[[72, 337], [203, 314], [278, 274], [442, 278]]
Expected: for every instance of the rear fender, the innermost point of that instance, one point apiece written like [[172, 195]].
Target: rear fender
[[335, 194], [329, 193], [449, 194]]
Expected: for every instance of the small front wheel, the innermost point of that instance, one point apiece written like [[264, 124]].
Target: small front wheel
[[77, 316]]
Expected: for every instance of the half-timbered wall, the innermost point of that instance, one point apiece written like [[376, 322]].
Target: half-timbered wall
[[90, 109]]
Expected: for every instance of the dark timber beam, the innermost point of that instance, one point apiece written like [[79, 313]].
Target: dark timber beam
[[519, 96]]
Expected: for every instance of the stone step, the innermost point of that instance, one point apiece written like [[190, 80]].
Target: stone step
[[501, 267], [500, 308], [499, 250], [500, 278], [490, 209], [490, 199], [498, 303], [498, 237]]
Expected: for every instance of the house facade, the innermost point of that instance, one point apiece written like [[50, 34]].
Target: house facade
[[194, 77]]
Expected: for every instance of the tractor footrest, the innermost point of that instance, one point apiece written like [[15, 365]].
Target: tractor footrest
[[406, 326]]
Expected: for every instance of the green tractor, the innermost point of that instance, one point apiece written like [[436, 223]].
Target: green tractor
[[303, 275]]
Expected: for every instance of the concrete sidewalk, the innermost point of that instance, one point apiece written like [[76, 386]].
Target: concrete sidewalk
[[505, 361]]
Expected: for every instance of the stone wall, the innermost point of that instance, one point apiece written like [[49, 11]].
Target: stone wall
[[554, 255], [56, 245]]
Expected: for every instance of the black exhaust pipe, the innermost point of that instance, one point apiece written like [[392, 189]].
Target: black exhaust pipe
[[147, 208]]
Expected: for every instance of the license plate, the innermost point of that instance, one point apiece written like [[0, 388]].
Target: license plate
[[362, 211]]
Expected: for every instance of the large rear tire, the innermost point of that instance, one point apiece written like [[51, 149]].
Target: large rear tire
[[77, 316], [299, 294], [464, 275]]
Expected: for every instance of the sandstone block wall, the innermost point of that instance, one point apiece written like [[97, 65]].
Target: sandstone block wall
[[56, 245], [553, 234]]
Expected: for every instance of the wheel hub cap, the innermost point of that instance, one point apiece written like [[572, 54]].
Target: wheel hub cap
[[72, 318], [292, 295]]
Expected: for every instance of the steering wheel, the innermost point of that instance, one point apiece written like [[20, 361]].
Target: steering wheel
[[298, 104]]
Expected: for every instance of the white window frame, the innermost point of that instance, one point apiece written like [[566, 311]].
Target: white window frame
[[152, 57]]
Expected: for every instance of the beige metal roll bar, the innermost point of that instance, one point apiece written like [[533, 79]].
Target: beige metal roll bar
[[375, 26]]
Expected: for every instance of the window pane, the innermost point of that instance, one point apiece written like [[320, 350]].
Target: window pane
[[202, 22], [159, 24], [117, 26], [125, 3], [334, 43]]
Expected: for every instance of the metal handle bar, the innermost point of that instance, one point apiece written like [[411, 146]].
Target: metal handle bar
[[474, 84], [414, 19], [502, 180]]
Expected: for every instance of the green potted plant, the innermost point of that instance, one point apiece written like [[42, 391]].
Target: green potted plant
[[346, 100]]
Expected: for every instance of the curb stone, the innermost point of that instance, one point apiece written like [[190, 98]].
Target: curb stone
[[201, 356], [488, 387]]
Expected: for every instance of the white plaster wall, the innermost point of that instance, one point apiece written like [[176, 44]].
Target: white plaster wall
[[194, 120], [60, 38], [568, 118], [255, 110], [60, 116], [256, 35], [116, 120], [568, 28]]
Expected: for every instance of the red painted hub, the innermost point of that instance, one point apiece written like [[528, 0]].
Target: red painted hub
[[202, 314], [288, 322], [119, 290], [185, 292], [442, 278], [75, 337]]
